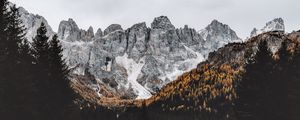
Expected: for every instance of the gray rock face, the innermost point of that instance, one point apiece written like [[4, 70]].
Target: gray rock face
[[162, 22], [217, 35], [191, 38], [99, 33], [112, 28], [140, 60], [88, 35], [69, 31], [276, 24], [137, 38], [254, 32], [32, 23]]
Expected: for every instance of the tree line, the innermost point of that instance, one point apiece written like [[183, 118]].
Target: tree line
[[34, 81], [269, 89]]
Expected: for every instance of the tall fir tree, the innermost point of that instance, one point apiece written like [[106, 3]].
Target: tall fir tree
[[54, 96], [279, 83], [254, 88], [294, 86], [3, 79], [40, 51], [15, 89], [60, 80]]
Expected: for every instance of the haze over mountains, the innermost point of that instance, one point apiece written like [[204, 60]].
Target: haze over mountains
[[136, 62]]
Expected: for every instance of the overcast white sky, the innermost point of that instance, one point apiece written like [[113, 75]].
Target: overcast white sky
[[241, 15]]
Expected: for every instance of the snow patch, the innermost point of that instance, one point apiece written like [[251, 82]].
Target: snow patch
[[133, 70], [191, 64]]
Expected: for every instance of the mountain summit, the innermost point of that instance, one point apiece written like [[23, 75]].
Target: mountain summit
[[111, 28], [162, 22], [276, 24], [217, 34]]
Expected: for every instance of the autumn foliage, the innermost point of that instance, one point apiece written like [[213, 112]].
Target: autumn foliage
[[200, 89]]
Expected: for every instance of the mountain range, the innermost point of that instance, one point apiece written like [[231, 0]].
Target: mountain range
[[137, 62]]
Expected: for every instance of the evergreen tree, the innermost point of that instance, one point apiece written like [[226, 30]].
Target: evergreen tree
[[294, 86], [60, 82], [3, 79], [15, 89], [255, 86], [279, 85], [40, 51], [54, 96]]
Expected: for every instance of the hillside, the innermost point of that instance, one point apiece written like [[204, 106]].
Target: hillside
[[210, 89], [156, 72]]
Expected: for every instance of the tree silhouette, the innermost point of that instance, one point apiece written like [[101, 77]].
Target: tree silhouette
[[254, 88], [60, 82], [293, 86], [15, 86]]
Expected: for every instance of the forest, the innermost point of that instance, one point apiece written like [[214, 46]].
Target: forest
[[35, 84]]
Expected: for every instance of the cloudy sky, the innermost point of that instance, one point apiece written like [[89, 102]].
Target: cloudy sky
[[241, 15]]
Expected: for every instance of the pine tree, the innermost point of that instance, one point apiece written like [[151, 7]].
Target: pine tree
[[3, 79], [255, 86], [27, 75], [294, 86], [59, 79], [281, 76], [40, 51], [15, 89], [53, 94]]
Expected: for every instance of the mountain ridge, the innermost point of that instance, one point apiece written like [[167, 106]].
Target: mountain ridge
[[159, 53], [225, 64]]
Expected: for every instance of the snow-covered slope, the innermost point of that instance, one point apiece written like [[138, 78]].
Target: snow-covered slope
[[276, 24], [133, 69]]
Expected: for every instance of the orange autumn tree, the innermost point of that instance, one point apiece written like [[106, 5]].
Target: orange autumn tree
[[207, 88]]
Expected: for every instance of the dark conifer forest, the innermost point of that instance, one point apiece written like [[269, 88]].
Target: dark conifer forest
[[35, 83], [34, 78]]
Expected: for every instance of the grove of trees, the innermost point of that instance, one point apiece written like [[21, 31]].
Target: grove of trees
[[35, 84], [34, 81]]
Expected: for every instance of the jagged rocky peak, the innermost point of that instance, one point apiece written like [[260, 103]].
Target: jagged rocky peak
[[190, 37], [87, 35], [32, 22], [276, 24], [217, 31], [217, 35], [186, 27], [23, 10], [253, 32], [90, 31], [99, 33], [69, 31], [70, 23], [112, 28], [163, 23], [139, 26]]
